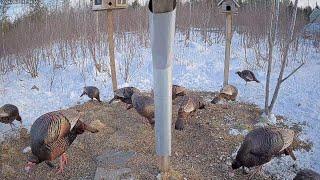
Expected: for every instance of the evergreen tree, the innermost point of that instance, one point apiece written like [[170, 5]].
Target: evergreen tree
[[135, 4]]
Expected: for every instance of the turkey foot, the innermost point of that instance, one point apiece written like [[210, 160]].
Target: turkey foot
[[129, 107], [12, 125], [255, 172], [63, 162]]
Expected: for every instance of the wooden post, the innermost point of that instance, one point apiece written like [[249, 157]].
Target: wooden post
[[111, 49], [228, 48], [97, 22], [164, 163]]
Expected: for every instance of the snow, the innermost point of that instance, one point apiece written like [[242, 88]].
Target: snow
[[197, 66], [272, 120], [26, 150], [236, 132], [17, 10]]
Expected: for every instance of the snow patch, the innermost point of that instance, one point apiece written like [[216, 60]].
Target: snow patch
[[236, 132], [26, 150]]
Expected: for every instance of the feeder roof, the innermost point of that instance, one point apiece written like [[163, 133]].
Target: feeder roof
[[235, 2]]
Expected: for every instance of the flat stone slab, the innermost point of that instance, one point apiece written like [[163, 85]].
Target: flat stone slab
[[115, 158], [117, 174]]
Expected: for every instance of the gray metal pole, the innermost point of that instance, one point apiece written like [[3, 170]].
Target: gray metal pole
[[162, 23]]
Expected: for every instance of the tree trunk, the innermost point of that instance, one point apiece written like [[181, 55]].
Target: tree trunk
[[271, 39], [285, 56]]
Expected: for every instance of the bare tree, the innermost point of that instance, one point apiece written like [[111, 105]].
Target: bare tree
[[271, 38], [284, 58]]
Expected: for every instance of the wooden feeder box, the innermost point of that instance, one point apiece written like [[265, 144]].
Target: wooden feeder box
[[228, 6], [99, 5]]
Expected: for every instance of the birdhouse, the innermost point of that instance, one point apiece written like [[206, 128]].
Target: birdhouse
[[98, 5], [228, 6]]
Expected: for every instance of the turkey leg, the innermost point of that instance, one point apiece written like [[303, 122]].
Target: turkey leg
[[289, 151], [255, 172], [63, 162]]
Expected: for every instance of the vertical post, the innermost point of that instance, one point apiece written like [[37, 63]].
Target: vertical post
[[228, 48], [97, 22], [111, 49], [162, 23]]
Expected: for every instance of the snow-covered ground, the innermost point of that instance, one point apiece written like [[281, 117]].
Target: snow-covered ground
[[198, 67]]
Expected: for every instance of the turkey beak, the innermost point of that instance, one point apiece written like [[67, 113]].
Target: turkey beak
[[82, 94], [112, 100]]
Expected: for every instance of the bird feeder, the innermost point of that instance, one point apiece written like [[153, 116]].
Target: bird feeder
[[99, 5], [228, 6]]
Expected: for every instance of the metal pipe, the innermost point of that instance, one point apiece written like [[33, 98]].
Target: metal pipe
[[162, 23]]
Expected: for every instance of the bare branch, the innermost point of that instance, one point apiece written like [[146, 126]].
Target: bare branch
[[294, 71]]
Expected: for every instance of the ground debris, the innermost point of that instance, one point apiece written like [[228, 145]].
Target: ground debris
[[125, 147]]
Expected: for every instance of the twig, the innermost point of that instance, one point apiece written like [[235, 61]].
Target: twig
[[292, 73]]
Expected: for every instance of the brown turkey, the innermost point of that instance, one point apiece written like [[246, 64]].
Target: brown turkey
[[188, 106], [228, 92], [307, 174], [9, 113], [144, 105], [91, 92], [52, 134], [247, 76], [124, 94], [261, 145], [176, 91]]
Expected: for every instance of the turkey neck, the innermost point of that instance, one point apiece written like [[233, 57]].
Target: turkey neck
[[71, 136], [6, 120]]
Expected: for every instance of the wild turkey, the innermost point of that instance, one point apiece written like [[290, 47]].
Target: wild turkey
[[91, 92], [261, 144], [247, 76], [307, 174], [178, 91], [9, 113], [144, 105], [52, 134], [228, 92], [124, 94], [188, 106]]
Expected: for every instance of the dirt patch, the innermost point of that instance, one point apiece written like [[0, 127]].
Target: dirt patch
[[202, 151]]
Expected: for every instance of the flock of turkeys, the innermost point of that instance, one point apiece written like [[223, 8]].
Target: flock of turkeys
[[53, 132]]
